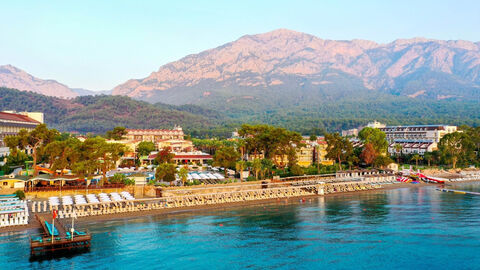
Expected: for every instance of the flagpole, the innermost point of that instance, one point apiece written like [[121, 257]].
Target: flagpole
[[53, 224], [72, 229]]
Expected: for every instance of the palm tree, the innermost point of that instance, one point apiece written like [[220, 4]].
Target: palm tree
[[398, 150], [183, 174], [417, 157], [240, 166], [428, 157], [257, 166]]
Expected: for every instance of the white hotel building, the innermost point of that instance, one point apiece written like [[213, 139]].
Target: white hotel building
[[416, 139]]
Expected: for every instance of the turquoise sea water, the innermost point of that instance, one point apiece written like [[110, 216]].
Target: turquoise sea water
[[409, 228]]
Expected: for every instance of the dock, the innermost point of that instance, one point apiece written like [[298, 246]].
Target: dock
[[62, 242], [459, 191]]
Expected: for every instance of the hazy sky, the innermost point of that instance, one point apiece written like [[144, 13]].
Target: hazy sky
[[100, 44]]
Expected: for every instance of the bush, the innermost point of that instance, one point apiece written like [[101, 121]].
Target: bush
[[118, 178], [129, 182], [296, 170], [20, 194], [312, 170], [193, 183], [251, 178], [151, 183]]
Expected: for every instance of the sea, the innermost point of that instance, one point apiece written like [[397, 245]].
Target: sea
[[405, 228]]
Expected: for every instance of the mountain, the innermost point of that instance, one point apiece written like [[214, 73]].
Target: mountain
[[98, 114], [287, 68], [13, 77]]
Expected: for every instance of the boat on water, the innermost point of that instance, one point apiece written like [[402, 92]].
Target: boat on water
[[431, 179]]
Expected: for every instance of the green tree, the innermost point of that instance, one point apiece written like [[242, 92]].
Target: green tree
[[417, 157], [225, 157], [240, 167], [398, 151], [183, 174], [145, 148], [267, 167], [109, 154], [456, 146], [62, 154], [376, 137], [382, 161], [313, 138], [296, 170], [338, 148], [34, 140], [428, 156], [257, 167], [270, 141], [165, 172], [116, 134]]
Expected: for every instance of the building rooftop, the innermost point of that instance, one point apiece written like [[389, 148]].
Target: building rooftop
[[13, 117]]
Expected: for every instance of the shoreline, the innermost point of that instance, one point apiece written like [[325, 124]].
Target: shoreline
[[191, 209]]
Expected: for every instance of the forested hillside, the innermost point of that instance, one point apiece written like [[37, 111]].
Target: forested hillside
[[98, 114]]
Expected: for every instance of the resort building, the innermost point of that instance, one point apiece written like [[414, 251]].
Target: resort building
[[375, 124], [11, 123], [350, 132], [312, 152], [320, 152], [176, 145], [196, 157], [154, 135], [411, 147], [354, 131], [432, 133]]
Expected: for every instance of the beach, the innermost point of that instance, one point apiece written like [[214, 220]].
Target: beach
[[172, 211]]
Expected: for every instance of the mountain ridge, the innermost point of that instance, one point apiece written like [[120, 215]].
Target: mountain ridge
[[260, 60], [13, 77]]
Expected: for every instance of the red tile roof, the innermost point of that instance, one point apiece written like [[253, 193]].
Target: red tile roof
[[17, 118]]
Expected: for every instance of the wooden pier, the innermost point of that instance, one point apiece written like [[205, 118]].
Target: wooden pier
[[59, 243], [459, 191]]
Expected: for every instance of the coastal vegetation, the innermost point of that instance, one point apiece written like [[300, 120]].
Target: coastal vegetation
[[64, 153]]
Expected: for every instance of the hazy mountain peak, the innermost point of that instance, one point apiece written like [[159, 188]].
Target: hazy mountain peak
[[286, 58], [13, 77]]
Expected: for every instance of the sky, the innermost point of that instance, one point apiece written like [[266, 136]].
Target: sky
[[97, 45]]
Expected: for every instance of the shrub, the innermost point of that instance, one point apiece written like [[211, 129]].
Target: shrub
[[118, 178], [251, 178], [129, 182], [20, 194], [193, 183], [151, 183], [296, 170]]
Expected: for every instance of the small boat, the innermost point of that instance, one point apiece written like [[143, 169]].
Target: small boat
[[431, 179]]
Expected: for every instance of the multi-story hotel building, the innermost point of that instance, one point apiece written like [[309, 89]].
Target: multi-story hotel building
[[424, 133], [154, 135], [11, 123]]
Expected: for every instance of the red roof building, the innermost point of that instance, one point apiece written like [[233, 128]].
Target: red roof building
[[12, 123]]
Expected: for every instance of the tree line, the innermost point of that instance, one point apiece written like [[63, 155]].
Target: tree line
[[62, 152]]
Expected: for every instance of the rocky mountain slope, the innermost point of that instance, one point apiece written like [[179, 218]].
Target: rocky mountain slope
[[13, 77], [285, 66]]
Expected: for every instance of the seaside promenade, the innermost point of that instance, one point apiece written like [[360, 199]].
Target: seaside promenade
[[217, 195]]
